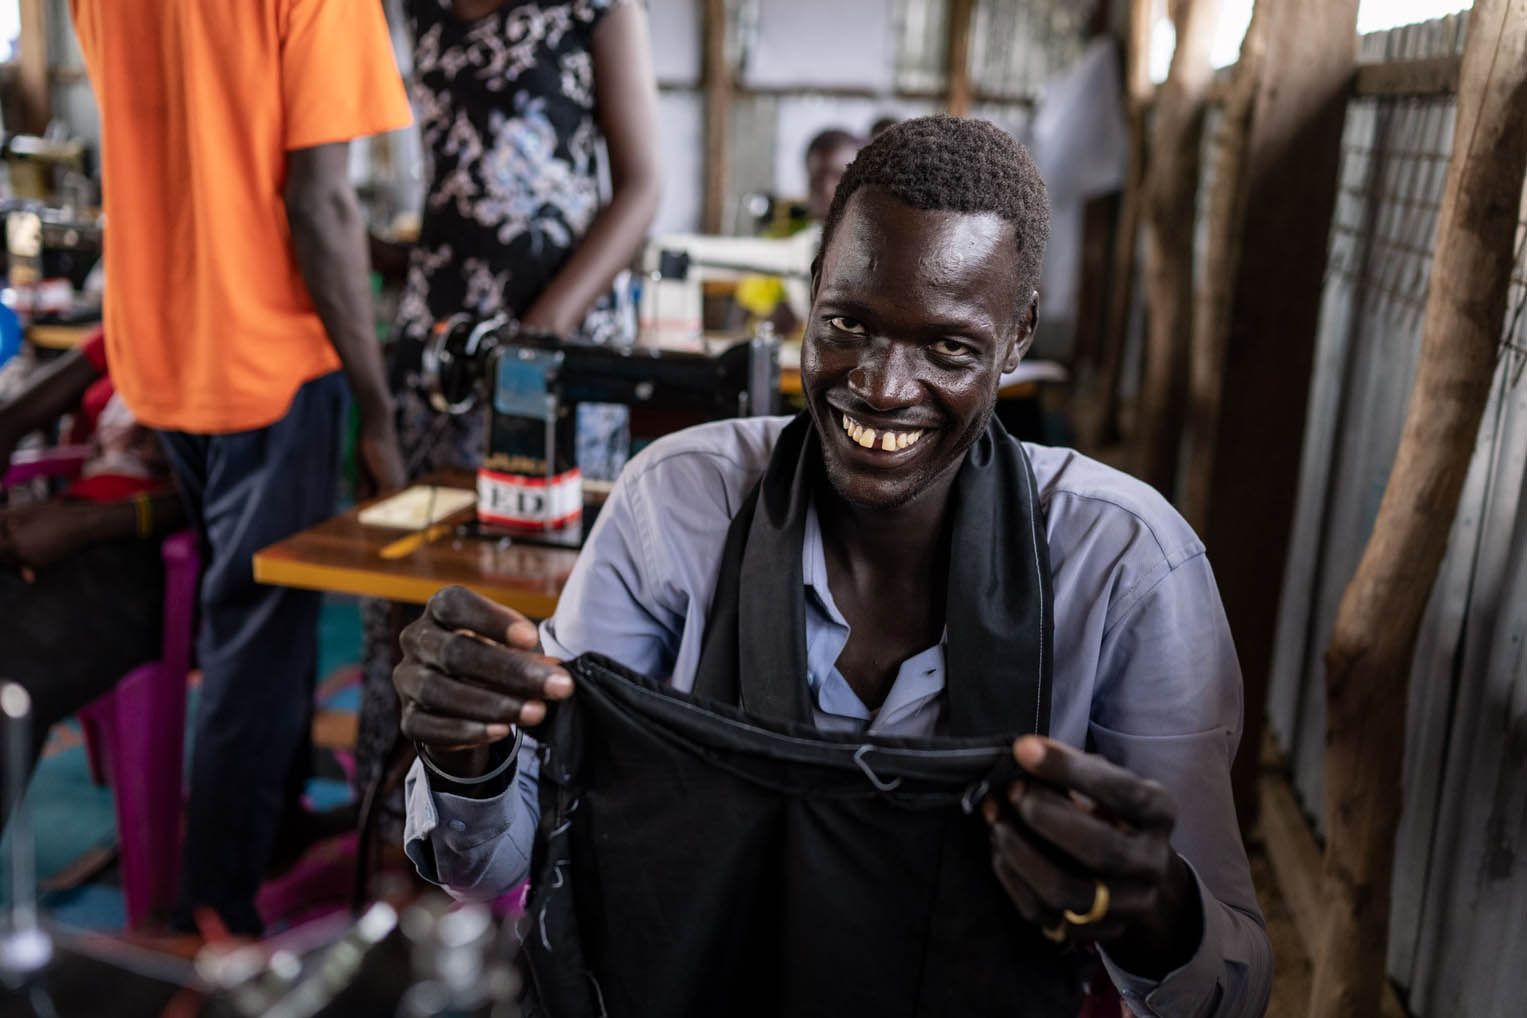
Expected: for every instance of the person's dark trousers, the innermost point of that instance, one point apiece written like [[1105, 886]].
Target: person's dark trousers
[[258, 644]]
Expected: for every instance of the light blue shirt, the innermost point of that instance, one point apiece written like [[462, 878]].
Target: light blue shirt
[[1145, 672], [915, 701]]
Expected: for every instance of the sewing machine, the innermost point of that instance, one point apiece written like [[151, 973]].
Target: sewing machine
[[676, 268], [530, 480]]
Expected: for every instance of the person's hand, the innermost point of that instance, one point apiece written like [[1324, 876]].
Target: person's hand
[[471, 668], [1083, 849], [37, 535], [550, 314], [381, 461]]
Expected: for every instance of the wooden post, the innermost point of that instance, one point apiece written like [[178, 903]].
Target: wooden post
[[1171, 190], [1100, 423], [1222, 252], [1293, 156], [1368, 660], [719, 85], [36, 93], [960, 12]]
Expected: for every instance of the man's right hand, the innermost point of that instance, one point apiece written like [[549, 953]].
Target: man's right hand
[[472, 668]]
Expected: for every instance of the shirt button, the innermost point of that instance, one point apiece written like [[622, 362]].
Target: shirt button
[[458, 825]]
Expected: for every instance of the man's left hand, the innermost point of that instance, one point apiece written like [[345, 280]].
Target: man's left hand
[[1084, 851]]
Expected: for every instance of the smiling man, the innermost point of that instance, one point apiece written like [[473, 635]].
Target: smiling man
[[892, 563]]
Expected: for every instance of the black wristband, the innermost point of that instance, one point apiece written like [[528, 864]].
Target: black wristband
[[503, 766]]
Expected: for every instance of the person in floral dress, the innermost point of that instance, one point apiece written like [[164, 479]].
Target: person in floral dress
[[515, 101]]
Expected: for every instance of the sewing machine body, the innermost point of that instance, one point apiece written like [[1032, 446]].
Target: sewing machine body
[[530, 479]]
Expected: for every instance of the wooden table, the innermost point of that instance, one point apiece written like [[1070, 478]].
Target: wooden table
[[343, 556]]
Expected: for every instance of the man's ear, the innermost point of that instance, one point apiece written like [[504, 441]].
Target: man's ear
[[1024, 338]]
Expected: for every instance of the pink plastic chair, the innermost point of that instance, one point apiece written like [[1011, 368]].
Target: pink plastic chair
[[135, 736], [58, 461]]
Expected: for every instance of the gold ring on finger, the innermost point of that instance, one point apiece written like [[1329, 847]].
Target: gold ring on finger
[[1098, 910], [1056, 933]]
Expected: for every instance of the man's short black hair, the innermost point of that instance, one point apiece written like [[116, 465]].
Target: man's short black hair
[[955, 164]]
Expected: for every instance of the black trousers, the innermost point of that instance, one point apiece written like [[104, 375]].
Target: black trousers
[[258, 644], [694, 861]]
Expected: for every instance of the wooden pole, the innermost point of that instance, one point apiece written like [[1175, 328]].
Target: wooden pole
[[1222, 252], [1100, 215], [1171, 191], [718, 84], [1293, 157], [960, 13], [1368, 660], [1100, 425], [36, 93]]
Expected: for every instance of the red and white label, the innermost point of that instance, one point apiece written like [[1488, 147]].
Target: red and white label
[[531, 503]]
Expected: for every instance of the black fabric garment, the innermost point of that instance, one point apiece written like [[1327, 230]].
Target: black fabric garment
[[695, 861], [999, 614], [715, 854], [79, 626]]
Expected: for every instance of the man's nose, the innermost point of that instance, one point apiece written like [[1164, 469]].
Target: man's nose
[[886, 377]]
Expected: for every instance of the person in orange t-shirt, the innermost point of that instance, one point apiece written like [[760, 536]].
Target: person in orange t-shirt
[[236, 291]]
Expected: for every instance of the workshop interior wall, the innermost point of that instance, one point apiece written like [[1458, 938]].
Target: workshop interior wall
[[1461, 854]]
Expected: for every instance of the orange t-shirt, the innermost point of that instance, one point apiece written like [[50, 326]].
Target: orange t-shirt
[[208, 322]]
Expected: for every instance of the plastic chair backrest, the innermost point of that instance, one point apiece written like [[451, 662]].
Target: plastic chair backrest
[[59, 461]]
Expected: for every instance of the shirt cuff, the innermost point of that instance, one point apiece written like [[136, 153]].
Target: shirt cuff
[[452, 839], [1192, 989]]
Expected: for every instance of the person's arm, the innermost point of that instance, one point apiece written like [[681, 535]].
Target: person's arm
[[37, 535], [54, 390], [471, 670], [1180, 933], [625, 96], [329, 240], [459, 693]]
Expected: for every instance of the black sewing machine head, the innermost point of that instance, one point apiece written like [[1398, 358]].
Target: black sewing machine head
[[533, 383]]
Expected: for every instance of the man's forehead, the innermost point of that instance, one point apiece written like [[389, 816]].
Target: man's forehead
[[882, 235]]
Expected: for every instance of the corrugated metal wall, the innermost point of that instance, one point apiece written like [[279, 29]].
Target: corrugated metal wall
[[1458, 934]]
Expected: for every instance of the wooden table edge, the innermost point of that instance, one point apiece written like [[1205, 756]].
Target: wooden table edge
[[274, 568]]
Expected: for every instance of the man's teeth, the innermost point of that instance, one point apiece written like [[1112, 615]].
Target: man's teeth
[[889, 441]]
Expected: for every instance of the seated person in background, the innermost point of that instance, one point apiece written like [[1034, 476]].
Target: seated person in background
[[923, 294], [81, 578], [827, 155]]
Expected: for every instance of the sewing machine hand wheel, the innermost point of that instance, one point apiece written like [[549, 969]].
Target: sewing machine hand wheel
[[456, 356]]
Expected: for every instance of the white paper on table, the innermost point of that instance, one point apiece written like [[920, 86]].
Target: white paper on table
[[417, 507]]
